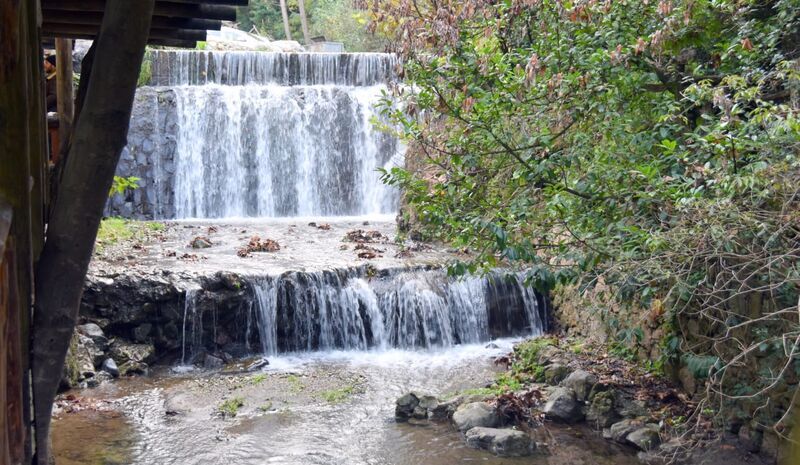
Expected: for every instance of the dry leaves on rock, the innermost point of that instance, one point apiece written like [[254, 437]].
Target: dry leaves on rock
[[362, 236], [257, 244]]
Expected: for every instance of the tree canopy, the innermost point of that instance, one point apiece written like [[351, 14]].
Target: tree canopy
[[651, 146]]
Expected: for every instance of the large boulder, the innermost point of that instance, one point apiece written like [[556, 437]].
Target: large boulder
[[563, 406], [582, 382], [475, 414], [502, 442]]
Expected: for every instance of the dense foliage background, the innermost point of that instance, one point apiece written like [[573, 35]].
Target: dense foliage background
[[650, 149], [343, 21]]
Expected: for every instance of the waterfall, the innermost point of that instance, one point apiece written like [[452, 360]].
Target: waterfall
[[194, 318], [409, 310], [259, 134]]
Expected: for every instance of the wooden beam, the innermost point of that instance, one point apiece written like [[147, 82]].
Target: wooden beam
[[163, 8], [66, 102], [80, 30], [99, 137], [94, 18]]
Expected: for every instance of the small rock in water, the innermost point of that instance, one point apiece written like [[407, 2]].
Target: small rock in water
[[212, 362], [492, 345], [110, 367], [405, 405], [257, 365], [502, 442], [200, 242]]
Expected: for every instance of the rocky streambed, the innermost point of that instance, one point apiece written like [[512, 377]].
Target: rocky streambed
[[556, 383]]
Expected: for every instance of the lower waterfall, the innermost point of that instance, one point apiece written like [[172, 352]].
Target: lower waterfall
[[340, 310]]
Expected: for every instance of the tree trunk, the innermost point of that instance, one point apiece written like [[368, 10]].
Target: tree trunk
[[304, 21], [98, 139], [285, 14]]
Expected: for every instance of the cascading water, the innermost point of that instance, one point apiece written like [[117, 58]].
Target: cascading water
[[257, 134], [410, 310]]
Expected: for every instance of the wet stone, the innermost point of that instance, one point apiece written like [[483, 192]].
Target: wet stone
[[502, 442], [110, 367], [475, 414]]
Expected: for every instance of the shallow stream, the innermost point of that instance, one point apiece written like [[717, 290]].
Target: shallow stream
[[317, 408]]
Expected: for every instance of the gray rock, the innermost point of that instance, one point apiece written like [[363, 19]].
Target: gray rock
[[256, 365], [619, 431], [123, 352], [645, 439], [110, 367], [630, 408], [502, 442], [211, 362], [426, 405], [443, 411], [602, 412], [548, 354], [562, 406], [133, 368], [580, 381], [89, 352], [405, 405], [474, 414], [492, 345], [142, 332], [95, 333], [750, 438], [555, 373]]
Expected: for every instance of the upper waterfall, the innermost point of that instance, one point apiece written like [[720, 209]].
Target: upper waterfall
[[175, 68], [259, 134]]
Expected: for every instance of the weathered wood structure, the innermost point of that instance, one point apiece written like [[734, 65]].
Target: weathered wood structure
[[46, 239]]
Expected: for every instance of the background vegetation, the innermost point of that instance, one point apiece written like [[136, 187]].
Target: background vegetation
[[343, 21], [641, 152]]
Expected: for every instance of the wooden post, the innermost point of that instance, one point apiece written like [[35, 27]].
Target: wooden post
[[98, 139], [22, 157], [66, 102], [304, 21], [285, 14]]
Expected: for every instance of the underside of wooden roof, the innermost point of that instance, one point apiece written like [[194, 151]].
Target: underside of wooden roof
[[177, 23]]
